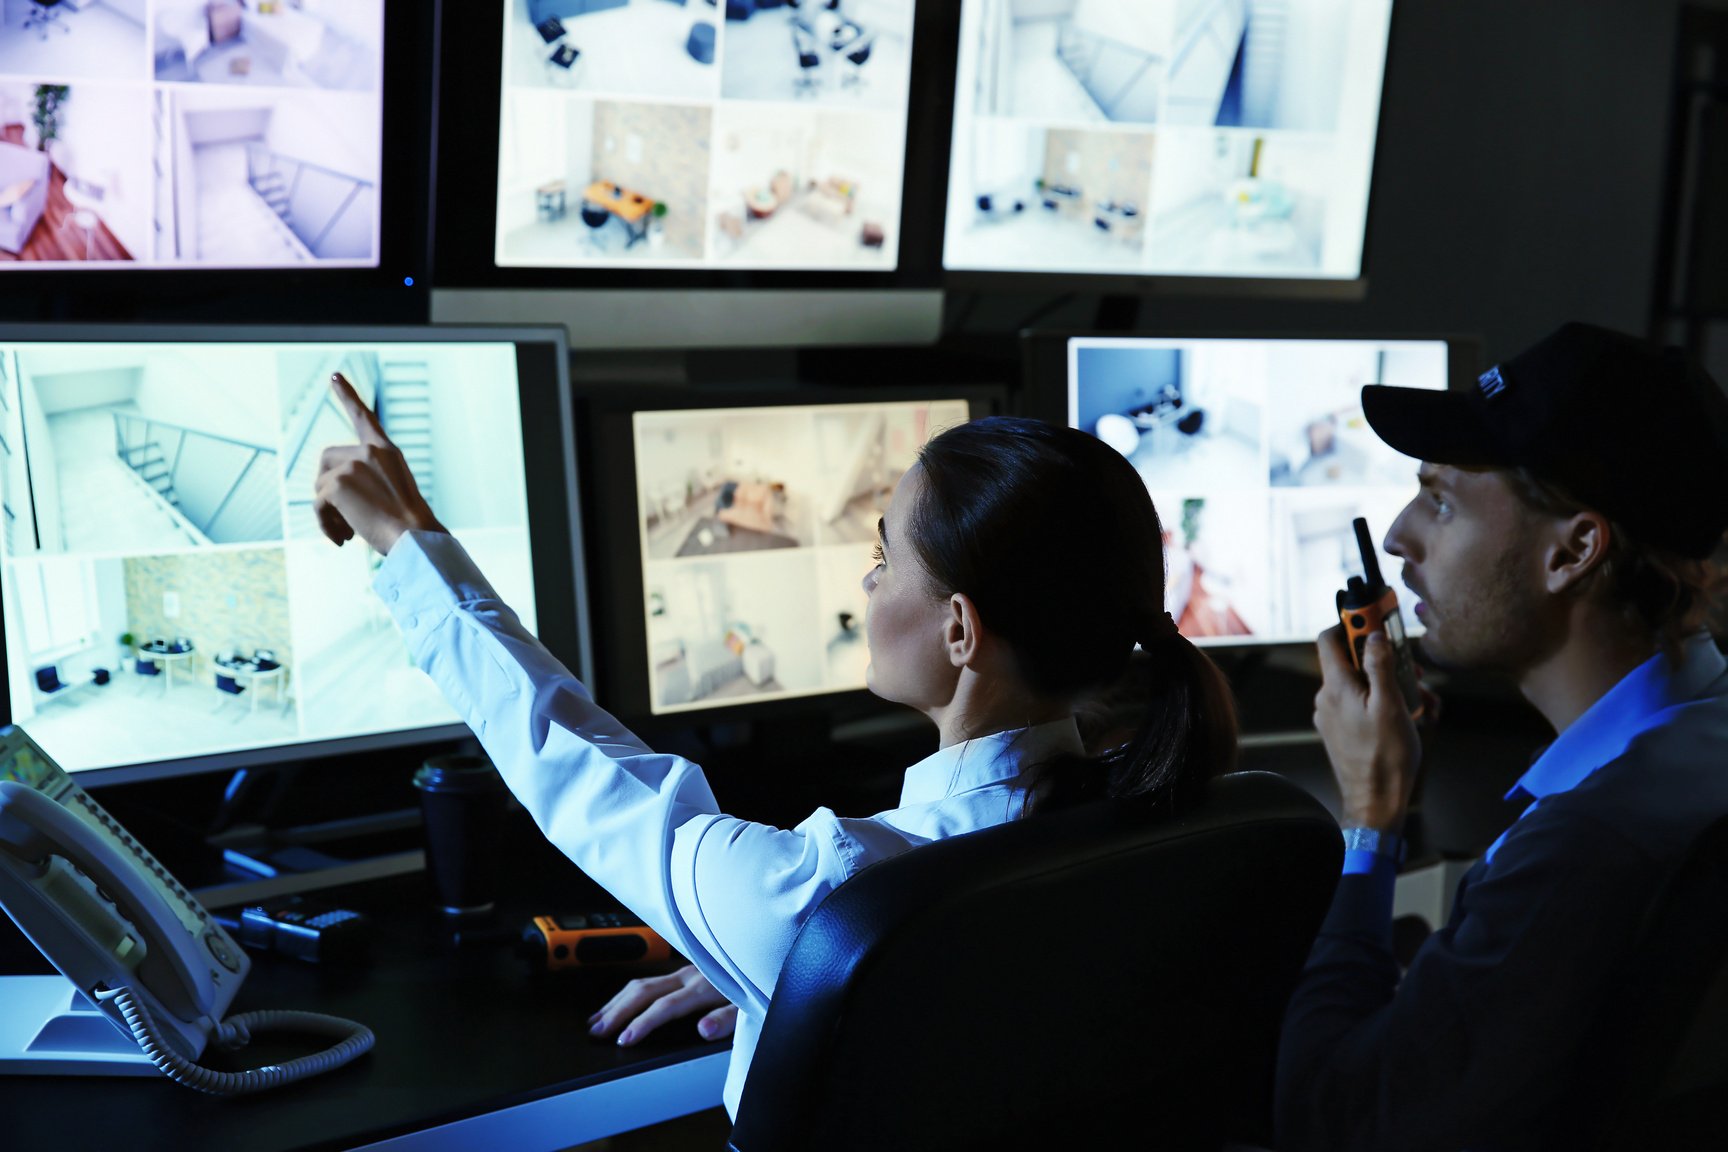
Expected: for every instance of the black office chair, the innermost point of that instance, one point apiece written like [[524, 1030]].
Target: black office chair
[[1093, 972], [804, 44], [1657, 1061], [46, 14]]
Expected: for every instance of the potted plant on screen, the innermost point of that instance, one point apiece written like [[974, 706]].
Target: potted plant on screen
[[127, 641], [46, 114], [657, 224]]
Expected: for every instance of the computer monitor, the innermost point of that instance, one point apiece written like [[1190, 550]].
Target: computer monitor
[[733, 535], [226, 154], [169, 602], [1257, 457], [745, 155], [1224, 141]]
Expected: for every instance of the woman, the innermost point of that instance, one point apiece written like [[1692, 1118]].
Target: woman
[[1018, 566]]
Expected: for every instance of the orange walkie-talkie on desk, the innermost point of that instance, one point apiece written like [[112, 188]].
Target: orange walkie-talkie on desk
[[1368, 604]]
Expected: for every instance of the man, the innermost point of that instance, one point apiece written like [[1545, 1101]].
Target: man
[[1568, 504]]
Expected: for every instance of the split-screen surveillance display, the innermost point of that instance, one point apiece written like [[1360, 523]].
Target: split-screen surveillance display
[[166, 590], [1258, 459], [754, 134], [191, 133], [1165, 137], [757, 527]]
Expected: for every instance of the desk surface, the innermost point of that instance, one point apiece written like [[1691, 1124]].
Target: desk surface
[[632, 206], [473, 1051]]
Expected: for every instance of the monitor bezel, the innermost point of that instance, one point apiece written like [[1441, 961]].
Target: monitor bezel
[[1158, 284], [467, 170], [397, 290], [1044, 354], [548, 440], [622, 683]]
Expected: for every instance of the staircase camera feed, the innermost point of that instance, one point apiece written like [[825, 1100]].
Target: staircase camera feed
[[166, 592], [190, 133], [1220, 138], [1258, 459], [757, 527], [758, 134]]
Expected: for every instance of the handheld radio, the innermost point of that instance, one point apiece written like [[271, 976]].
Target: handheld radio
[[597, 939], [1368, 604]]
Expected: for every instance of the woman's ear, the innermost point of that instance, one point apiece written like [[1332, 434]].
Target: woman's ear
[[962, 631], [1579, 546]]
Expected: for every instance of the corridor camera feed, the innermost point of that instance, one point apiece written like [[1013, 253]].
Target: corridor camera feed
[[1258, 458], [191, 134], [642, 133], [757, 526], [166, 592], [1168, 137]]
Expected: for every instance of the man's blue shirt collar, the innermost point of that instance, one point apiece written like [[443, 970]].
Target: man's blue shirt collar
[[1634, 705]]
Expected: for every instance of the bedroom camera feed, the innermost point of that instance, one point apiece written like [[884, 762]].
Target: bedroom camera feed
[[756, 527], [1244, 133], [639, 133], [182, 133], [164, 589], [1241, 442]]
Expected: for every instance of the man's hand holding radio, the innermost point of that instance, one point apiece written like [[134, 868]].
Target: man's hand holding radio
[[1368, 732]]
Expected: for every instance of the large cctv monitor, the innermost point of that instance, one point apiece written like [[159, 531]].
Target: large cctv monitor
[[1257, 457], [169, 602], [747, 155], [1217, 141]]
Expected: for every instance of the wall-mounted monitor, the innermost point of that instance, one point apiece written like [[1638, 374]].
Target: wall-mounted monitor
[[169, 602], [732, 565], [156, 151], [1216, 139], [656, 135], [751, 145], [1257, 457]]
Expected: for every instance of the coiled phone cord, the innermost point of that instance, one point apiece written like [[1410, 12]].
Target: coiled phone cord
[[352, 1040]]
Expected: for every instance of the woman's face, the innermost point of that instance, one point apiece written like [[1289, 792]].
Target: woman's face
[[904, 618]]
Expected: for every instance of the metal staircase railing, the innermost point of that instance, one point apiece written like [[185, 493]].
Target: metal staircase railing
[[1122, 80], [225, 488], [309, 198]]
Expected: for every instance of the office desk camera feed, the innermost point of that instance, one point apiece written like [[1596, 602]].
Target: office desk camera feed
[[167, 592], [637, 133], [1258, 458], [182, 133], [1172, 137], [756, 528]]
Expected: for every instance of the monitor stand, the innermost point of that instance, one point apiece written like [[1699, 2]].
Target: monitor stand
[[49, 1028], [262, 860]]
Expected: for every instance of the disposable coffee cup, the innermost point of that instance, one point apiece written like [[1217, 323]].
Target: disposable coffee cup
[[462, 803]]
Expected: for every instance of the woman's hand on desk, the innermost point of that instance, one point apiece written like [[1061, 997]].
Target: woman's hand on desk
[[366, 489], [643, 1005]]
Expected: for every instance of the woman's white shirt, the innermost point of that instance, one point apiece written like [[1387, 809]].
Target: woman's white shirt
[[728, 894]]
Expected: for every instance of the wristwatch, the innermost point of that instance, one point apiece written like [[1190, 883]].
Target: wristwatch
[[1387, 844]]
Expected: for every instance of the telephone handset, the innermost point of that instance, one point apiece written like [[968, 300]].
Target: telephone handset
[[128, 936]]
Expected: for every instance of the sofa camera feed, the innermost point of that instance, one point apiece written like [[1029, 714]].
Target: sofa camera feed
[[175, 133]]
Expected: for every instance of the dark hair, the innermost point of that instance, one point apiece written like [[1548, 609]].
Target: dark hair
[[1659, 592], [1052, 535]]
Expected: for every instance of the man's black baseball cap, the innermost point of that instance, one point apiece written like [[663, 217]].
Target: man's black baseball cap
[[1636, 433]]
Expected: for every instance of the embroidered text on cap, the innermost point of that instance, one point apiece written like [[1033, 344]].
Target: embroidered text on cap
[[1491, 383]]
